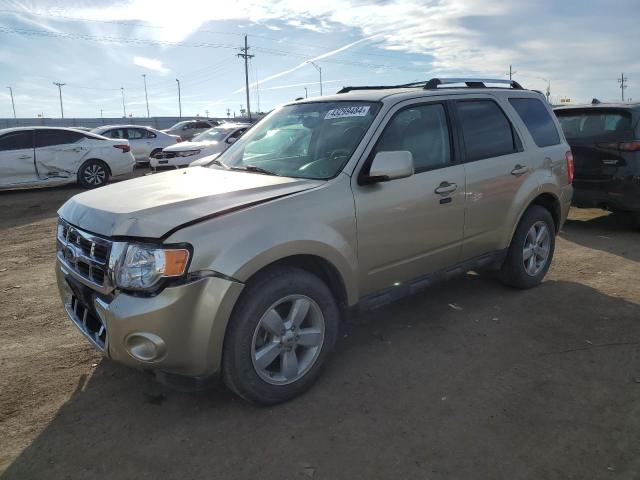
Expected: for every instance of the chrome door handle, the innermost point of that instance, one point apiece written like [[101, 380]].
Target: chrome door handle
[[519, 170], [445, 188], [24, 157]]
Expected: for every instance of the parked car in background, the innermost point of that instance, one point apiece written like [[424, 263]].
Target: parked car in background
[[188, 129], [145, 142], [214, 141], [34, 156], [246, 268], [82, 129], [605, 141]]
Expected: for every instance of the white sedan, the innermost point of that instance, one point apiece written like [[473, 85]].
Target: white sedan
[[39, 156], [214, 141], [145, 142]]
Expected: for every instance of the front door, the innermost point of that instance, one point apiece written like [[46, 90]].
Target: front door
[[16, 158], [411, 227]]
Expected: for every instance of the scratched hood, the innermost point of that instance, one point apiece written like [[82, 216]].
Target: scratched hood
[[150, 206]]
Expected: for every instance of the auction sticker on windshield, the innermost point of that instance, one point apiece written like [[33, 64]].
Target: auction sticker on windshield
[[343, 112]]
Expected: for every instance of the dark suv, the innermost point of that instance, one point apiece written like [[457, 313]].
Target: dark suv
[[605, 142]]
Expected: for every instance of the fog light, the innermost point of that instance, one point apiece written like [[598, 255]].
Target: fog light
[[145, 347]]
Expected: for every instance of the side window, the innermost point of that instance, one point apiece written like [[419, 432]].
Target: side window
[[150, 134], [237, 133], [202, 125], [486, 130], [423, 131], [135, 134], [48, 138], [537, 119], [189, 126], [20, 140]]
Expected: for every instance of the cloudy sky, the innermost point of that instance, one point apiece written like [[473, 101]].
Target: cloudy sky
[[97, 47]]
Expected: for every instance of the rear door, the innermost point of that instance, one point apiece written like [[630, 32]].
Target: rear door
[[16, 158], [594, 135], [139, 142], [496, 167], [59, 153], [200, 127]]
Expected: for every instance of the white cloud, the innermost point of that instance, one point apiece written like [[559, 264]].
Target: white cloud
[[151, 64]]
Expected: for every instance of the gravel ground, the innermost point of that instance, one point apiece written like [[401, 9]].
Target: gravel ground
[[467, 380]]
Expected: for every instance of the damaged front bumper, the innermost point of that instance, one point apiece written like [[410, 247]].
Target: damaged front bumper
[[179, 331]]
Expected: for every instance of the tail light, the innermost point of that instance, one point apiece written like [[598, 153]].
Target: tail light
[[570, 168], [632, 146], [124, 148]]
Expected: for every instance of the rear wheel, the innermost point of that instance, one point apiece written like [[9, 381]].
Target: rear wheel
[[93, 174], [280, 336], [531, 250]]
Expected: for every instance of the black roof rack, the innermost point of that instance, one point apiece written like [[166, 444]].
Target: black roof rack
[[436, 82], [470, 82]]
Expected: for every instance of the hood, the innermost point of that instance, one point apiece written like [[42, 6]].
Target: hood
[[153, 205], [182, 146]]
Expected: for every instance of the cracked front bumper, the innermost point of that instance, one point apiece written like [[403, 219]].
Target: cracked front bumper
[[179, 331]]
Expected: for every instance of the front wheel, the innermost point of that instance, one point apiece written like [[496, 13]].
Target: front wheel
[[280, 336], [531, 250], [93, 174]]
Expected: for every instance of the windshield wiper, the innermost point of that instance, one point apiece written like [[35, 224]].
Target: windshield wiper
[[256, 169]]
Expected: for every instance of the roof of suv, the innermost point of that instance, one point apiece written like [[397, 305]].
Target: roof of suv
[[617, 105], [419, 89]]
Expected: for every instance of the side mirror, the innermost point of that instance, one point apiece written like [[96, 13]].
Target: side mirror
[[390, 166], [231, 140]]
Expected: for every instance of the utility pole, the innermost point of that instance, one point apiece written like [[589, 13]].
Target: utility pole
[[60, 85], [206, 112], [101, 117], [623, 84], [319, 69], [179, 99], [13, 105], [124, 109], [306, 94], [228, 113], [246, 56], [144, 77]]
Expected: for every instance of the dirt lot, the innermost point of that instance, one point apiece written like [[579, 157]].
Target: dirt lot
[[542, 384]]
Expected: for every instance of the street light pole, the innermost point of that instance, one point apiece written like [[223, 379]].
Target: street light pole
[[306, 94], [319, 69], [60, 85], [144, 77], [124, 109], [179, 99], [13, 105]]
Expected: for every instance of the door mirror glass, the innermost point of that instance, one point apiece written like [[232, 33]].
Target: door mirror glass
[[391, 166]]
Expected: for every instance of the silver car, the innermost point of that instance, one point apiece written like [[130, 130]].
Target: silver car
[[244, 269], [188, 129]]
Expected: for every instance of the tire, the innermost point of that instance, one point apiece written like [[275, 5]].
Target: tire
[[93, 174], [274, 377], [518, 272]]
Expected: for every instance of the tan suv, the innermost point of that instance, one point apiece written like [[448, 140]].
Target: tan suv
[[245, 267]]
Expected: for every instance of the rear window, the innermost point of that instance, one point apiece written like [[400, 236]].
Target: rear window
[[486, 130], [595, 123], [537, 119], [47, 138]]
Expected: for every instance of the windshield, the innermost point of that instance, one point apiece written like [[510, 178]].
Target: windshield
[[212, 135], [307, 140], [179, 125]]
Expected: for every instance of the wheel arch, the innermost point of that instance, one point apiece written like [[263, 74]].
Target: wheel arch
[[547, 200]]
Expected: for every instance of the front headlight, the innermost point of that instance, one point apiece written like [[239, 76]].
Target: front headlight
[[187, 153], [142, 267]]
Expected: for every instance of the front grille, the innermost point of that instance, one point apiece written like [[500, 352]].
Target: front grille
[[85, 254], [87, 322], [166, 155]]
